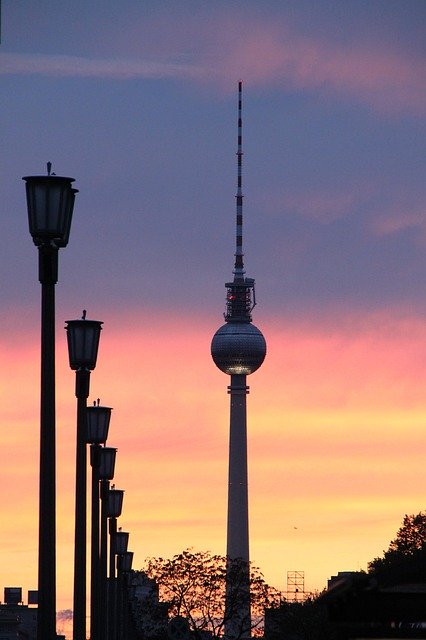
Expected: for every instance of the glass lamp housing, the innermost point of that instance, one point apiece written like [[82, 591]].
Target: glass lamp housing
[[121, 540], [114, 503], [107, 463], [62, 242], [98, 419], [125, 561], [83, 342], [50, 203]]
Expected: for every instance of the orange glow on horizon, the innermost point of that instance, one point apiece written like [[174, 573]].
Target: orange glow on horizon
[[336, 421]]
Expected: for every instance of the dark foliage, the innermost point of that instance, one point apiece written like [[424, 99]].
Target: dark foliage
[[194, 585], [297, 621], [405, 560]]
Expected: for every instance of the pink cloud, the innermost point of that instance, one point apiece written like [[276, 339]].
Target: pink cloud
[[271, 50], [321, 205], [388, 80], [406, 212], [360, 361], [387, 210], [232, 45]]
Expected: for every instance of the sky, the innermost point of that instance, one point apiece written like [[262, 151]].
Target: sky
[[137, 101]]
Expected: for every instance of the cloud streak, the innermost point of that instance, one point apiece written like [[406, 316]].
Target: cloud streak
[[406, 212], [77, 66], [322, 205], [274, 54], [270, 54]]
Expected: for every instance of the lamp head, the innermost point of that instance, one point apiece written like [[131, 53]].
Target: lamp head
[[107, 463], [121, 540], [50, 203], [114, 503], [83, 342], [98, 419], [125, 561]]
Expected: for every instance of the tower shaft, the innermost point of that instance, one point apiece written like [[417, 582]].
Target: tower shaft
[[237, 605], [238, 523]]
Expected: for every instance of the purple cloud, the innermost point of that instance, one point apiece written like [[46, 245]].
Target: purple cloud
[[271, 53]]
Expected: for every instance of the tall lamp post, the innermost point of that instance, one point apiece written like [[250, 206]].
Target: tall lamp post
[[121, 542], [98, 419], [50, 203], [83, 342], [124, 566], [106, 473], [114, 509]]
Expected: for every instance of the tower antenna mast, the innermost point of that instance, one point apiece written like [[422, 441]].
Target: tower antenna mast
[[241, 297], [239, 263]]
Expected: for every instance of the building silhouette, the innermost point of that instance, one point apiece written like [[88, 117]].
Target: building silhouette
[[148, 615], [17, 620], [238, 349]]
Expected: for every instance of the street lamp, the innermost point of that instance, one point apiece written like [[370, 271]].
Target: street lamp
[[107, 464], [83, 342], [106, 473], [115, 503], [114, 508], [121, 541], [98, 419], [50, 203], [124, 566]]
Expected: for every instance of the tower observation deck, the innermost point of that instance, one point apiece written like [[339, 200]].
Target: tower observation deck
[[238, 349]]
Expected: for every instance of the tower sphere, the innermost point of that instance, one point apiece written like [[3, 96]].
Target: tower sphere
[[238, 348]]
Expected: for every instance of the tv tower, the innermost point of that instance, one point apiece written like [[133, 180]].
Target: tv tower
[[238, 348]]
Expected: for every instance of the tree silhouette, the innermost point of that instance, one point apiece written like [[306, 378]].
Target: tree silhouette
[[411, 535], [405, 560], [194, 582]]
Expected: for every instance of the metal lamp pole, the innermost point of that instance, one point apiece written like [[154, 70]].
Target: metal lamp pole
[[114, 509], [98, 419], [106, 473], [50, 203], [124, 566], [83, 342], [121, 544]]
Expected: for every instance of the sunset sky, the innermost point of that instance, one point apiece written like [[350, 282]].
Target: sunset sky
[[137, 100]]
